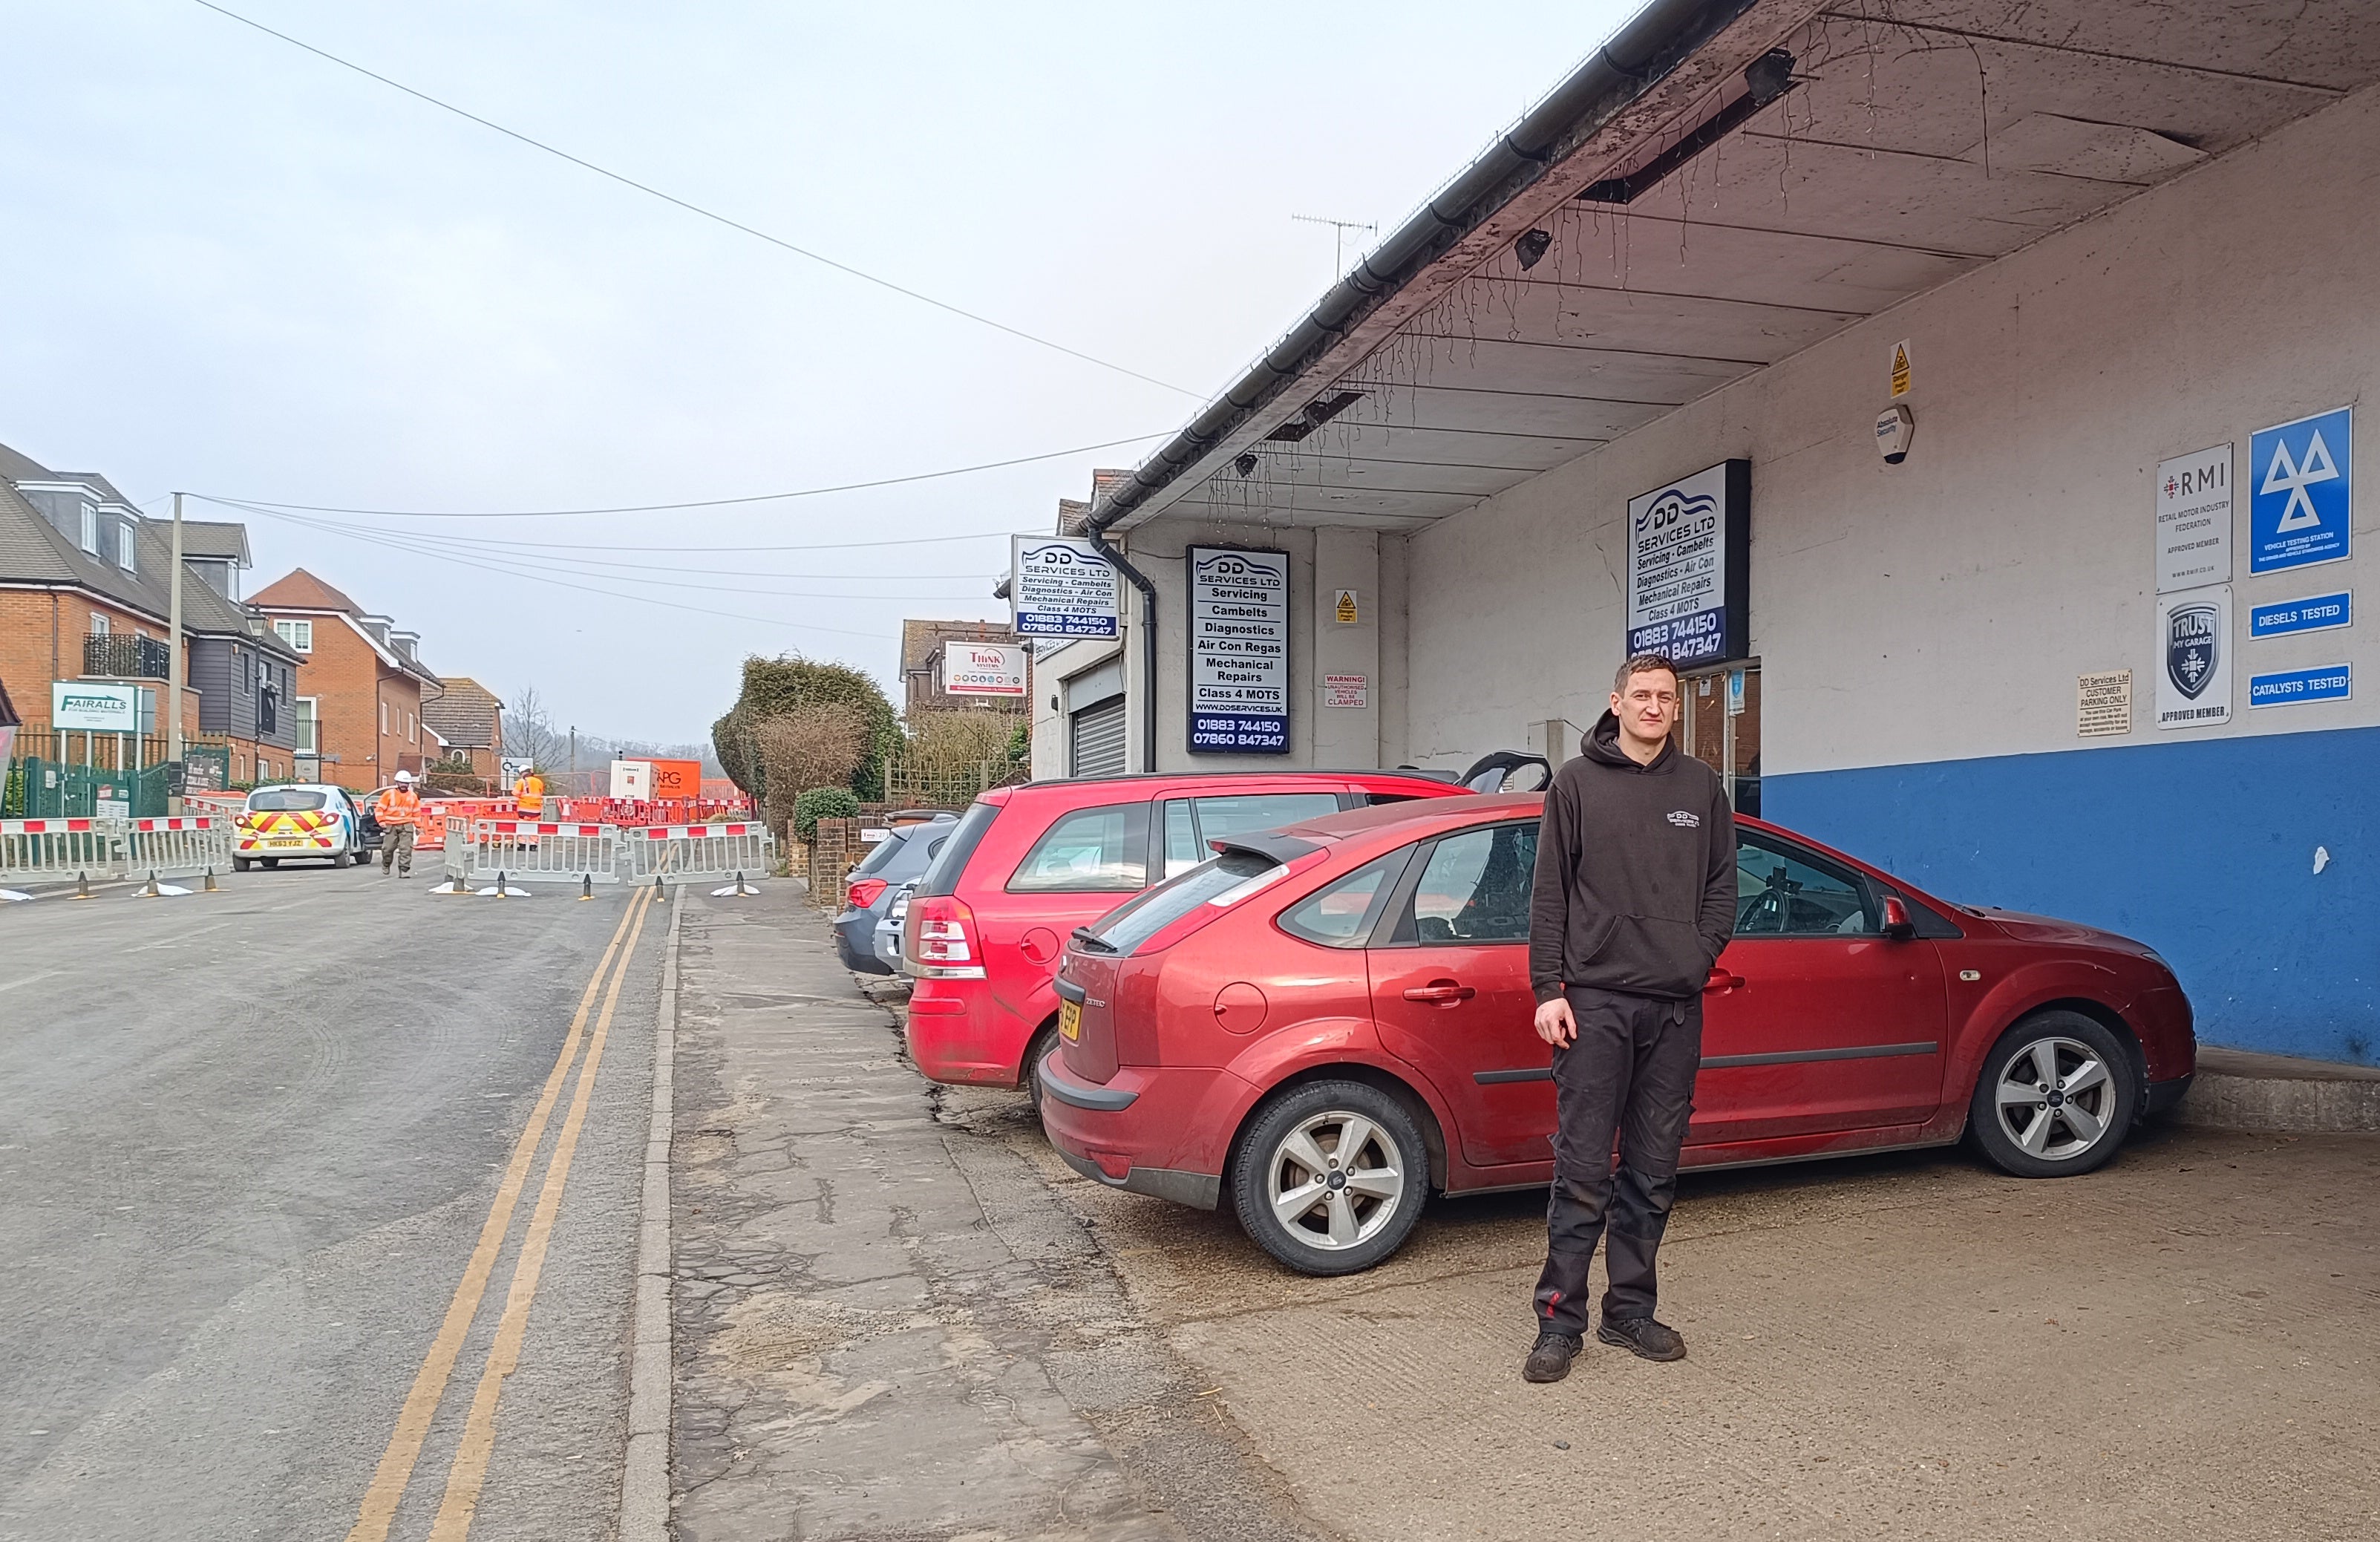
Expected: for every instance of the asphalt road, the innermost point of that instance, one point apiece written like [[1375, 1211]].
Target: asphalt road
[[250, 1145]]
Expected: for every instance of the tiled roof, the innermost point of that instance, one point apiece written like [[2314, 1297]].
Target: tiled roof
[[211, 539], [920, 640], [301, 591], [34, 551], [465, 714]]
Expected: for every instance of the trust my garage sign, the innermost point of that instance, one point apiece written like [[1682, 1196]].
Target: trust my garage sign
[[1239, 652], [1689, 567]]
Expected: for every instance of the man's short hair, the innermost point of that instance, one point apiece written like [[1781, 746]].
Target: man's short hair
[[1642, 663]]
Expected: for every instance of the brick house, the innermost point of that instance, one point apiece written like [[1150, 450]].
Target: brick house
[[359, 689], [921, 665], [470, 719], [85, 595]]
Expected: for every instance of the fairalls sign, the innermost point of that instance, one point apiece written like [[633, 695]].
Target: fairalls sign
[[1689, 567], [95, 708]]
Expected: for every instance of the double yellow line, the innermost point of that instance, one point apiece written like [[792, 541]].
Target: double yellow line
[[470, 1468]]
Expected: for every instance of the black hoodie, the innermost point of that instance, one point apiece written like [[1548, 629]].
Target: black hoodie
[[1636, 881]]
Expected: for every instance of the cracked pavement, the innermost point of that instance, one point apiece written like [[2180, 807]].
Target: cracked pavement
[[886, 1324]]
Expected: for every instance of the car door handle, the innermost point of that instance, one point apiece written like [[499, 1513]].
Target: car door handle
[[1440, 993], [1721, 981]]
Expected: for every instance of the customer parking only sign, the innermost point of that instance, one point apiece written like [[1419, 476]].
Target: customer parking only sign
[[2300, 491], [1239, 652], [1689, 569]]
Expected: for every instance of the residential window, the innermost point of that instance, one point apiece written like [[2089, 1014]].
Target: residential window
[[299, 635], [412, 730], [90, 528], [124, 546], [98, 624], [384, 717], [303, 720]]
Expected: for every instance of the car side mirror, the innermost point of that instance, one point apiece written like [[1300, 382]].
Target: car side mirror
[[1897, 924]]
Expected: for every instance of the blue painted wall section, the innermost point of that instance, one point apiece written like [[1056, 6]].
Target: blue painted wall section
[[2203, 849]]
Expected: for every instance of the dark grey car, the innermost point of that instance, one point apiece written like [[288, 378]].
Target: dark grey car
[[898, 859]]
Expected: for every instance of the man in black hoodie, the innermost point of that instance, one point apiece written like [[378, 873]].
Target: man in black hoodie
[[1634, 898]]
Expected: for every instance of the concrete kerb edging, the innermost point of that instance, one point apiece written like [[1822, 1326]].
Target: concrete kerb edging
[[2235, 1090], [644, 1481]]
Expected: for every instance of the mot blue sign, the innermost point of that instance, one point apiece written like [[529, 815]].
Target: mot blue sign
[[2300, 485]]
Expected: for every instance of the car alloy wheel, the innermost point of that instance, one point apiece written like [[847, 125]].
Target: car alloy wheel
[[1331, 1177], [2055, 1098], [2057, 1095]]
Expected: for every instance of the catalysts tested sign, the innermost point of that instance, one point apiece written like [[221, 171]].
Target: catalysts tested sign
[[1689, 567], [1239, 652]]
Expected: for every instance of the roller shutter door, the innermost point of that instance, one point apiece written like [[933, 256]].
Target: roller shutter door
[[1097, 739]]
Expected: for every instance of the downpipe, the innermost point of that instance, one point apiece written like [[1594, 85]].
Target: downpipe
[[1139, 581]]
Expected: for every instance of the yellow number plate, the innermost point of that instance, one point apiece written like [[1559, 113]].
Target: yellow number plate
[[286, 840], [1069, 1022]]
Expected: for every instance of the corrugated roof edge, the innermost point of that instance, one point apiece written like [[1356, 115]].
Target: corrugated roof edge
[[1639, 54]]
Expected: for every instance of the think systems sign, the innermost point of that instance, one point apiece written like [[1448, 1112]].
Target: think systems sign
[[1689, 567]]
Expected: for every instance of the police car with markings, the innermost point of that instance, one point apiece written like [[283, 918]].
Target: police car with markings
[[303, 821]]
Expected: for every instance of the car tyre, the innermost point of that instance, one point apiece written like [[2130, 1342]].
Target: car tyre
[[1292, 1151], [270, 862], [2055, 1096], [1045, 1040], [239, 864]]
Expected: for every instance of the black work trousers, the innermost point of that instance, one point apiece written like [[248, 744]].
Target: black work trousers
[[1630, 1073]]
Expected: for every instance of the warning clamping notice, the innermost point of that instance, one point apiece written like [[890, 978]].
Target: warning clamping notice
[[1239, 652]]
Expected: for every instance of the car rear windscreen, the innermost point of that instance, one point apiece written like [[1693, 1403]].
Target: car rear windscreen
[[942, 877], [881, 855], [1127, 927], [286, 800]]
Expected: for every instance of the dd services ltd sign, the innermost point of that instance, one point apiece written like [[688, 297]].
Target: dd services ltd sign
[[1239, 652], [1689, 567], [1061, 588]]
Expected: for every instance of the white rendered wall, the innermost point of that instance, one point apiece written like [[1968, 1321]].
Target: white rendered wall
[[1942, 609]]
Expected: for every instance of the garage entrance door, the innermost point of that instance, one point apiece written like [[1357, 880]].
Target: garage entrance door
[[1095, 740], [1721, 720]]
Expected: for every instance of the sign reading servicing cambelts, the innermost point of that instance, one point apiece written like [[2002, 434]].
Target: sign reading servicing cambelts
[[1239, 652], [1690, 569], [1058, 587]]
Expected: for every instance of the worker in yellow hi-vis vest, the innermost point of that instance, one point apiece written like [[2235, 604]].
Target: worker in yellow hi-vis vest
[[529, 795]]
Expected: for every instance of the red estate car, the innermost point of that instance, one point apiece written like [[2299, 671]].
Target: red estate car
[[1322, 1025], [1027, 865]]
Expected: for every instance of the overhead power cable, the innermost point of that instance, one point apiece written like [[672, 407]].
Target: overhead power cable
[[434, 546], [696, 209], [697, 504], [403, 543]]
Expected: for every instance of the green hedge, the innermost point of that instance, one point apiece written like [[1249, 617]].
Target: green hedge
[[822, 803]]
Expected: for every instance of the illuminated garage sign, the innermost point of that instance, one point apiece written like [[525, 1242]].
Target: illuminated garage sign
[[1689, 567], [1239, 652]]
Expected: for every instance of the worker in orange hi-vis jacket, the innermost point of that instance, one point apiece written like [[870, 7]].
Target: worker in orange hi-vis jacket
[[529, 795], [399, 814]]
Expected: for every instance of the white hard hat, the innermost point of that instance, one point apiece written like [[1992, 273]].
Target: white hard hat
[[403, 776]]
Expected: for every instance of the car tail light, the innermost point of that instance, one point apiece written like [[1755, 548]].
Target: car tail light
[[939, 939], [864, 892]]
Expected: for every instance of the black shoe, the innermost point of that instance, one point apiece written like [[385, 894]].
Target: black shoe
[[1551, 1357], [1643, 1338]]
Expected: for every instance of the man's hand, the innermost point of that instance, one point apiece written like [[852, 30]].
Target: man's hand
[[1555, 1024]]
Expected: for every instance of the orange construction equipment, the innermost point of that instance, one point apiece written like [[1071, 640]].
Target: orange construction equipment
[[529, 795]]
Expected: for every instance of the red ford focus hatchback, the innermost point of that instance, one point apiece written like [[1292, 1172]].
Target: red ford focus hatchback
[[1325, 1024]]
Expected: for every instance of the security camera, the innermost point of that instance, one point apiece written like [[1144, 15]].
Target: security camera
[[1894, 429]]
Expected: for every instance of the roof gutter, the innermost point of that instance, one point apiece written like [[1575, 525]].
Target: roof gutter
[[1660, 38]]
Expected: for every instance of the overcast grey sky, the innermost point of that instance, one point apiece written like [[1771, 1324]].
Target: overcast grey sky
[[236, 269]]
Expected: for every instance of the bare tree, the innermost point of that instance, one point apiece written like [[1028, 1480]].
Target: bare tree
[[817, 746], [529, 730]]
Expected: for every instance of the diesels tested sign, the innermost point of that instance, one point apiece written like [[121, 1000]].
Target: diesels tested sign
[[1061, 586], [1239, 652], [1689, 567]]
